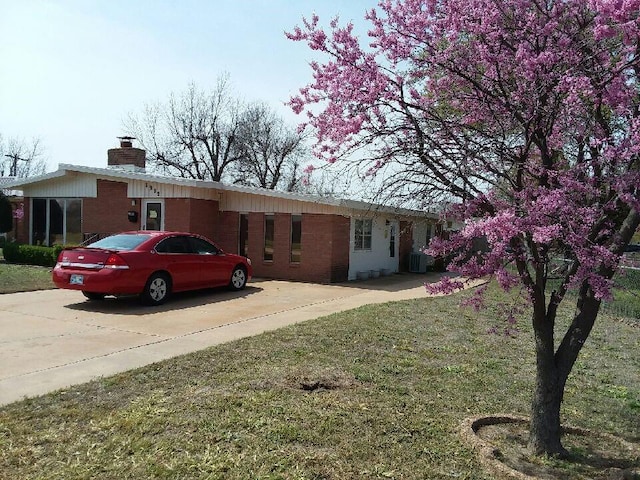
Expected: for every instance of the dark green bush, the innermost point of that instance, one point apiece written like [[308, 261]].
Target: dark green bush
[[31, 254]]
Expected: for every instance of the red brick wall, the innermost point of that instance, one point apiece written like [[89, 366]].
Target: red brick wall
[[191, 215], [227, 231], [340, 249], [325, 248], [406, 244], [107, 213]]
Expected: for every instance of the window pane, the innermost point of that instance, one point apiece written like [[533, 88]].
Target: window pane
[[268, 236], [39, 221], [124, 241], [74, 222], [202, 247], [296, 238], [244, 235], [358, 228], [367, 227], [56, 221]]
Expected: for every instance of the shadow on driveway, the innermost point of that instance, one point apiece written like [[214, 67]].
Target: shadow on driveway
[[130, 305]]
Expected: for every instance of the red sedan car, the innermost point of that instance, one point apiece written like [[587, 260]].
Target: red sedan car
[[150, 264]]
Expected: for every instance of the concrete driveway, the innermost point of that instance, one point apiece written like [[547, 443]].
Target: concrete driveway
[[55, 338]]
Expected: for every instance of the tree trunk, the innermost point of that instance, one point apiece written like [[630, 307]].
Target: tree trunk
[[553, 369], [545, 429]]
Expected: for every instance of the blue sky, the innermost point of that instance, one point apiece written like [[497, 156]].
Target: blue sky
[[72, 70]]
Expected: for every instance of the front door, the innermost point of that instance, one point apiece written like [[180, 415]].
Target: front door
[[153, 215]]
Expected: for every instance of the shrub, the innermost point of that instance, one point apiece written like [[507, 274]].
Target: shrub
[[31, 254]]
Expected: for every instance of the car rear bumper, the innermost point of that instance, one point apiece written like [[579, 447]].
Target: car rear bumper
[[105, 280]]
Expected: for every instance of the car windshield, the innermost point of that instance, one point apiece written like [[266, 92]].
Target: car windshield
[[120, 242]]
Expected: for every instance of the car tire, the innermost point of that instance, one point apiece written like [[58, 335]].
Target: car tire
[[93, 295], [238, 278], [157, 289]]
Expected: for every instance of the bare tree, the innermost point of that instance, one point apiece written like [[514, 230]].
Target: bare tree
[[215, 136], [193, 135], [19, 158], [270, 152]]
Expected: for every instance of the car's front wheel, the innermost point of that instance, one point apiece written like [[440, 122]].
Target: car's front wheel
[[157, 289], [238, 278], [93, 295]]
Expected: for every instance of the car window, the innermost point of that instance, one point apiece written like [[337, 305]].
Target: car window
[[202, 247], [178, 244], [120, 242]]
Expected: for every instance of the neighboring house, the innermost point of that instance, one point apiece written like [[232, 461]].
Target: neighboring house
[[286, 235]]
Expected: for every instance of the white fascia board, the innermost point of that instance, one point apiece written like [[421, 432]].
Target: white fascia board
[[20, 182]]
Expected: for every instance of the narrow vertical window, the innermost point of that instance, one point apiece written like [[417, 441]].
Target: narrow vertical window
[[269, 227], [243, 248], [296, 238], [392, 240], [362, 234]]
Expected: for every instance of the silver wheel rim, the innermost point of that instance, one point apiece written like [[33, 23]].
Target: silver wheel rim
[[158, 289], [238, 278]]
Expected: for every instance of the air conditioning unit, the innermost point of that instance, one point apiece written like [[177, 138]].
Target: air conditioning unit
[[419, 262]]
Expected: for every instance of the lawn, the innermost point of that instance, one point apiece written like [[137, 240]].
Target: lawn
[[23, 278], [376, 392]]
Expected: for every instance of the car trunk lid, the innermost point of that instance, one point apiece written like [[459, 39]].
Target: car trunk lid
[[90, 259]]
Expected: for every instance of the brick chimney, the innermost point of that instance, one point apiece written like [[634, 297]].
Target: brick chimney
[[126, 157]]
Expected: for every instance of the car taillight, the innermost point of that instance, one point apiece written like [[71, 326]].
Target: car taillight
[[116, 262]]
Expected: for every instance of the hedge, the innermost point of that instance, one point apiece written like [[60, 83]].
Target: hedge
[[31, 254]]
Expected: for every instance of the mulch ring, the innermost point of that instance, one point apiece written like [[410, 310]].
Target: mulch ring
[[501, 444]]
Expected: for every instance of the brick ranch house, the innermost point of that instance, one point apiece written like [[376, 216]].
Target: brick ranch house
[[287, 235]]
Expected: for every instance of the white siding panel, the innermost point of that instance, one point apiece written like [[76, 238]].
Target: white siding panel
[[69, 186], [241, 202], [146, 189]]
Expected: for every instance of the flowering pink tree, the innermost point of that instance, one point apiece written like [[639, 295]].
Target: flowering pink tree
[[524, 114]]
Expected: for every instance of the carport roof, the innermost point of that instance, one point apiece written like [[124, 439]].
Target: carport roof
[[128, 174]]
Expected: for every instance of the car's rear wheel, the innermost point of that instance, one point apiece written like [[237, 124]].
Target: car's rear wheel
[[93, 295], [157, 289], [238, 278]]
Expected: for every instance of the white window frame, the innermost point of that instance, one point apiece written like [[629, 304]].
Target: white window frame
[[359, 239]]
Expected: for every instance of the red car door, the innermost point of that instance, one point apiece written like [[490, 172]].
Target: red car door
[[181, 262], [214, 267]]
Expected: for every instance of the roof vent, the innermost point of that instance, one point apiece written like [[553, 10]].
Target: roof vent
[[126, 142]]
